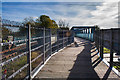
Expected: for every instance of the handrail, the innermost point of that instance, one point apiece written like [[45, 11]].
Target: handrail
[[48, 46], [105, 38]]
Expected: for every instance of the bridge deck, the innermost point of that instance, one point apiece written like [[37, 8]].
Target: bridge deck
[[76, 62]]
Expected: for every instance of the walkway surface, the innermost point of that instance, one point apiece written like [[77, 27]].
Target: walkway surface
[[79, 60]]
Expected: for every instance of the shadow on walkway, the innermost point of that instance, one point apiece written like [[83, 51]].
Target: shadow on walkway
[[83, 68], [107, 74]]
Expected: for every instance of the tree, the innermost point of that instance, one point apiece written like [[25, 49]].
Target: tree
[[97, 27], [45, 21], [63, 25], [5, 33], [28, 21], [54, 24], [42, 21], [64, 28]]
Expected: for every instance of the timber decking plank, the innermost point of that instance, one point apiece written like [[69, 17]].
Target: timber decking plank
[[76, 62]]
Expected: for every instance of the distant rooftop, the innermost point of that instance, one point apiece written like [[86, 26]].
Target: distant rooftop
[[84, 26]]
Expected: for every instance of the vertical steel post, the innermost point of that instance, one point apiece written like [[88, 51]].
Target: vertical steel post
[[50, 42], [98, 40], [63, 38], [92, 32], [57, 41], [101, 44], [70, 38], [67, 39], [29, 51], [73, 35], [1, 47], [85, 33], [111, 48], [88, 33], [44, 45], [118, 53]]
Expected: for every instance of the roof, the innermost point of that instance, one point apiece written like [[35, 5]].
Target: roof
[[83, 27]]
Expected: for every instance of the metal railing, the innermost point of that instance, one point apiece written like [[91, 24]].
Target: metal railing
[[108, 38], [36, 49], [105, 39]]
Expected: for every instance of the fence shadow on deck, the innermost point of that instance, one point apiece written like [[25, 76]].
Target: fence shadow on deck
[[83, 68]]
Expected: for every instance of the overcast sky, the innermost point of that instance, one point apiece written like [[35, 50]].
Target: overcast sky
[[97, 12]]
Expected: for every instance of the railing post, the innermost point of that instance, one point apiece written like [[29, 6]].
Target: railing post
[[118, 53], [57, 41], [44, 45], [29, 51], [98, 40], [111, 48], [63, 38], [101, 44], [50, 42], [73, 35], [97, 32], [92, 34], [88, 34], [85, 34]]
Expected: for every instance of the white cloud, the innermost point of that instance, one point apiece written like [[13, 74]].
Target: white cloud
[[106, 15], [79, 17]]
